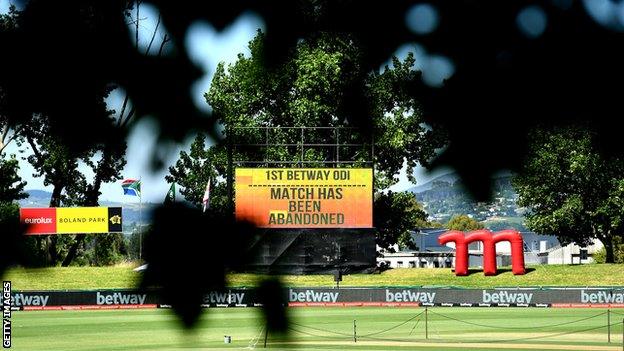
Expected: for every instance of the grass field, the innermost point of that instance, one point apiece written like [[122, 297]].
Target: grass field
[[323, 329], [58, 278]]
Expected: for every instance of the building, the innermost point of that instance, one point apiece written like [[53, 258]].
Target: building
[[538, 249], [417, 259], [572, 253]]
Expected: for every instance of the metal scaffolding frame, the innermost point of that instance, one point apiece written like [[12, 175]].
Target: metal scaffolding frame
[[333, 147], [301, 145]]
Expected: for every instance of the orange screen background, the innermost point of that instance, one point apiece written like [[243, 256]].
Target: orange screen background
[[254, 202]]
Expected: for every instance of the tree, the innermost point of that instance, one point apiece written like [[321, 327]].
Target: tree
[[59, 167], [312, 88], [11, 185], [395, 215], [198, 167], [618, 252], [11, 190], [571, 188], [8, 23], [463, 223], [58, 163]]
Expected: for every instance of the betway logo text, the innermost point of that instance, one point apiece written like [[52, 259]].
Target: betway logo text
[[30, 300], [409, 296], [506, 297], [224, 297], [312, 296], [120, 299], [601, 297]]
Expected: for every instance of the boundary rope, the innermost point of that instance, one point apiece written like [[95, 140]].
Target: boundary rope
[[499, 341], [394, 327], [516, 328]]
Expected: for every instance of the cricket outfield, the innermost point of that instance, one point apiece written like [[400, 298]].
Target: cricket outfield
[[325, 328]]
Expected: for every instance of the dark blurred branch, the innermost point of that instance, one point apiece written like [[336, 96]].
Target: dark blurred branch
[[3, 144], [5, 139], [136, 34], [123, 122], [149, 46], [34, 147]]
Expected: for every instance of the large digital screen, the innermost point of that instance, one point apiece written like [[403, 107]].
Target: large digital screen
[[305, 197]]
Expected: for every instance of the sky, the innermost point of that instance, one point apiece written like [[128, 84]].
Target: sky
[[207, 47], [4, 6]]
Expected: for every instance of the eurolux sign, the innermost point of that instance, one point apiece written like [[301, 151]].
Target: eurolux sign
[[555, 297], [71, 220]]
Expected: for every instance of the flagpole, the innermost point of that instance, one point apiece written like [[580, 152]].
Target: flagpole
[[140, 219]]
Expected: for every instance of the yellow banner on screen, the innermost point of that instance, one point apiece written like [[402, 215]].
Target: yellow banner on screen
[[305, 197]]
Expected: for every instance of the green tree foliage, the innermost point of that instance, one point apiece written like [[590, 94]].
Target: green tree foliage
[[9, 222], [463, 223], [109, 249], [395, 215], [195, 169], [9, 212], [8, 23], [59, 168], [11, 189], [312, 89], [135, 241], [11, 185], [618, 252], [57, 164], [571, 189], [57, 160]]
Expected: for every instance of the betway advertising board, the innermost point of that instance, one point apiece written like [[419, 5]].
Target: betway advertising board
[[71, 220], [564, 297], [305, 197], [109, 298]]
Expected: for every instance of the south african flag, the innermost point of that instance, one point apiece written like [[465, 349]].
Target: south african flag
[[131, 187]]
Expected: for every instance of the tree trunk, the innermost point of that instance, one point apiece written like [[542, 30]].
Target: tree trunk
[[55, 200], [52, 254], [92, 200], [608, 244], [73, 250]]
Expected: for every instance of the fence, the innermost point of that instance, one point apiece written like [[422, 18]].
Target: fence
[[391, 296]]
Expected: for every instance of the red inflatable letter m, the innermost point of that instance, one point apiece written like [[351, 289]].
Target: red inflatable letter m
[[489, 241]]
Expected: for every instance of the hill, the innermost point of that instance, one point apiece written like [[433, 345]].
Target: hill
[[449, 177], [446, 196]]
